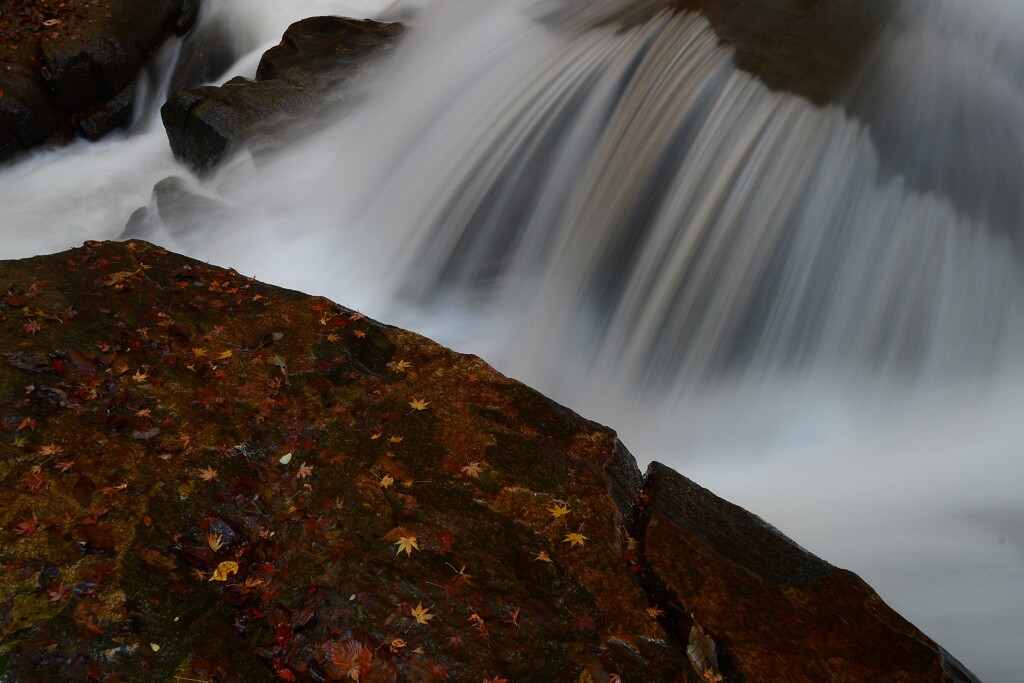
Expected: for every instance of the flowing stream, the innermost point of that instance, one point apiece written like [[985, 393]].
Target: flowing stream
[[815, 311]]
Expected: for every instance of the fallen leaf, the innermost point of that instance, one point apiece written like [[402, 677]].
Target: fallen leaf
[[386, 481], [224, 570], [208, 474], [472, 470], [542, 556], [402, 365], [304, 471], [406, 543], [574, 539], [215, 541], [559, 510], [422, 615], [26, 527], [285, 459], [418, 404]]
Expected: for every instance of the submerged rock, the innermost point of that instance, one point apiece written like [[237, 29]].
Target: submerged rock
[[69, 67], [206, 477], [313, 72]]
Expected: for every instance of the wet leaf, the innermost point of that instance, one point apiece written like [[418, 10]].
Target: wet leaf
[[422, 615], [559, 510], [224, 570], [406, 544], [574, 539]]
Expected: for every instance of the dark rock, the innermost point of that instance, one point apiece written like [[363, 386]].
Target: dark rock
[[814, 49], [316, 70], [113, 113], [776, 611], [74, 72], [331, 497], [179, 210], [206, 54]]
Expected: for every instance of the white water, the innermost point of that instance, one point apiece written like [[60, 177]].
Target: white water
[[728, 276]]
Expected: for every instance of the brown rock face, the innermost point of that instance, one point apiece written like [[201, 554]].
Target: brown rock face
[[69, 67], [204, 477], [777, 612], [311, 74]]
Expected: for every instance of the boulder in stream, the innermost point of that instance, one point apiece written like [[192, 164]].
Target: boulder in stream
[[204, 477], [317, 69], [69, 67]]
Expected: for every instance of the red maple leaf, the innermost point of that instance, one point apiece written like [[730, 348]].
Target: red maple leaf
[[26, 527]]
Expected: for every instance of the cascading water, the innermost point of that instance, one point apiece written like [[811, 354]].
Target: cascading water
[[815, 311]]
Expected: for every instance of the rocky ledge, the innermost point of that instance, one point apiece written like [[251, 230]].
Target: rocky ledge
[[318, 69], [208, 478], [69, 66]]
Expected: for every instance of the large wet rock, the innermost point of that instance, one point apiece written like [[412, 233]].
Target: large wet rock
[[205, 477], [69, 67], [769, 610], [318, 68]]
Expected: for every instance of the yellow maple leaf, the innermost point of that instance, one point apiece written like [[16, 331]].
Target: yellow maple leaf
[[385, 482], [418, 404], [402, 365], [224, 570], [198, 352], [140, 376], [422, 615], [208, 474], [224, 355], [395, 439], [542, 556], [215, 541], [406, 543], [559, 510], [574, 539], [333, 338]]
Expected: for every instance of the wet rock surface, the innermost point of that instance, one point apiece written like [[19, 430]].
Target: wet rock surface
[[205, 477], [68, 67], [773, 611], [316, 70]]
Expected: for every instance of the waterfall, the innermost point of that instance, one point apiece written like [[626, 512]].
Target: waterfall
[[815, 310]]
